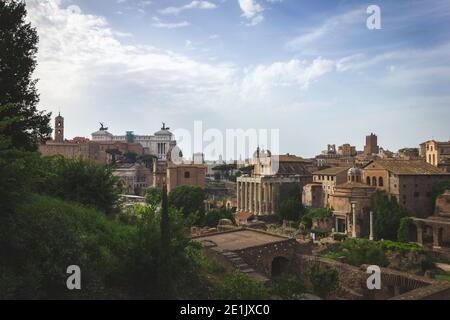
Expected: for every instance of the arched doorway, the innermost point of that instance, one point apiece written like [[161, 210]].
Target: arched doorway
[[279, 266]]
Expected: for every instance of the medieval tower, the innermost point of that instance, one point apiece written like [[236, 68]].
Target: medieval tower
[[59, 128]]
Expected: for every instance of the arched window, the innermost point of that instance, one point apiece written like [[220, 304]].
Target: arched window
[[380, 181], [368, 181], [374, 181]]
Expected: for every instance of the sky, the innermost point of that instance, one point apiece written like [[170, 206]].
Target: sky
[[312, 69]]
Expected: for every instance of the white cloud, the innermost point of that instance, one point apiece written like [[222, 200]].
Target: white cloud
[[261, 79], [331, 25], [79, 54], [157, 23], [252, 10], [196, 4]]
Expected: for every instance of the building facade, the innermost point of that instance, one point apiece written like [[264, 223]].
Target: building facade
[[410, 182], [260, 193], [158, 144], [437, 154]]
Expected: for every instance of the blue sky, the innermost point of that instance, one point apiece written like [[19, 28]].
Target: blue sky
[[309, 68]]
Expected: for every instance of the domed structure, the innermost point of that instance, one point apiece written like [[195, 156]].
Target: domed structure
[[102, 135], [164, 131], [354, 174]]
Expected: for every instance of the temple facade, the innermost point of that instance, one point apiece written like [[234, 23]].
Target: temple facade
[[260, 192]]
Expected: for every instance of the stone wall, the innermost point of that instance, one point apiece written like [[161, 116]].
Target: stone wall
[[394, 284], [261, 257]]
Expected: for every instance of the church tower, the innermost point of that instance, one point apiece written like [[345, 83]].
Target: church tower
[[59, 128]]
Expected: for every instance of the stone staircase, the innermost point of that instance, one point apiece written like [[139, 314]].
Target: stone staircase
[[242, 266]]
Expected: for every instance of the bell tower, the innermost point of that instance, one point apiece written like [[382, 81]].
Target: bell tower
[[59, 128]]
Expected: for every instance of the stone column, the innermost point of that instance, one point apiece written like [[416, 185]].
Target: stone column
[[237, 196], [436, 240], [245, 196], [266, 198], [255, 185], [420, 235], [354, 220], [260, 207], [251, 196], [371, 226], [272, 202], [275, 197]]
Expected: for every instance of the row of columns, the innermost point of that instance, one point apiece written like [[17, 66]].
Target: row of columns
[[355, 221], [260, 198]]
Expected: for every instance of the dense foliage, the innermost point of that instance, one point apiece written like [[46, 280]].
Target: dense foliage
[[388, 214], [324, 280], [403, 233], [189, 200], [213, 216], [18, 95], [360, 251], [81, 181], [291, 207], [239, 286]]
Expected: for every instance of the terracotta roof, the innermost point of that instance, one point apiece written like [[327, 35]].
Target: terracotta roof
[[408, 167], [351, 185], [291, 158], [332, 171]]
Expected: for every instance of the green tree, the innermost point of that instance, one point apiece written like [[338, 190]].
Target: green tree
[[325, 281], [403, 233], [289, 286], [189, 200], [85, 182], [388, 214], [239, 286], [165, 245], [213, 216], [18, 48], [153, 198], [290, 209]]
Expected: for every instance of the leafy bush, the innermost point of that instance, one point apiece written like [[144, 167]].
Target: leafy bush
[[85, 182], [387, 216], [188, 199], [213, 216], [291, 210], [404, 229], [239, 286], [325, 281], [339, 236], [46, 235], [361, 251], [288, 286]]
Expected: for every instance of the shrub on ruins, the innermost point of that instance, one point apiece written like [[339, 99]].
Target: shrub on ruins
[[387, 214], [324, 280], [189, 200], [46, 235], [288, 286], [404, 230], [85, 182], [213, 216], [310, 214], [290, 209], [359, 251], [239, 286]]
